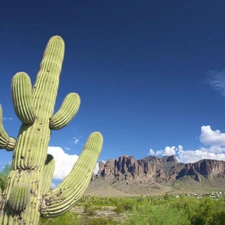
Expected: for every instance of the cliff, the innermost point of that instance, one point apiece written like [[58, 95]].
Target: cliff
[[159, 170]]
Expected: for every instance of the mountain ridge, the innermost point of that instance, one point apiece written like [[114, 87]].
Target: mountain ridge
[[128, 174]]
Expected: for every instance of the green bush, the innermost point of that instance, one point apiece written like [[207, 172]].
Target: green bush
[[119, 209], [158, 215], [68, 218], [90, 209], [126, 204]]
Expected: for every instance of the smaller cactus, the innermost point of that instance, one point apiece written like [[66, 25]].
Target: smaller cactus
[[19, 197]]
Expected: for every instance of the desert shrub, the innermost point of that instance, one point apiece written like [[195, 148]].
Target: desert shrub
[[99, 201], [126, 204], [119, 209], [209, 212], [166, 196], [158, 215], [90, 209], [101, 221], [68, 218], [218, 217], [205, 211]]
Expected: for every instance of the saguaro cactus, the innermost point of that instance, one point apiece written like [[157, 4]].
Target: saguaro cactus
[[27, 194]]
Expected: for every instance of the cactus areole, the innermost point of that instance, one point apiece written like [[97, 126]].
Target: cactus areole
[[27, 194]]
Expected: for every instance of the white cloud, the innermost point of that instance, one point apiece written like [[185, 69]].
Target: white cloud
[[217, 81], [67, 148], [213, 149], [159, 152], [64, 162], [151, 152], [210, 137], [214, 139], [190, 156], [187, 156], [169, 150]]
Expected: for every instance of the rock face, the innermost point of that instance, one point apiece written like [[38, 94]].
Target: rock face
[[207, 167], [156, 169]]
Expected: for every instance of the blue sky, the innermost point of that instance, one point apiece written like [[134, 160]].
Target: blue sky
[[150, 74]]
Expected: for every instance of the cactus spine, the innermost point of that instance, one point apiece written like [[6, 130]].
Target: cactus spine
[[27, 194]]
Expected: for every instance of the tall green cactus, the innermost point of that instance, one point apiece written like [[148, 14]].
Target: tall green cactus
[[27, 194]]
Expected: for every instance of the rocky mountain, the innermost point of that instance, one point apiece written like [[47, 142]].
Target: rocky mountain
[[160, 170]]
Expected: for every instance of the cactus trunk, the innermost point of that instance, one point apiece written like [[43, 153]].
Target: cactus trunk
[[27, 193]]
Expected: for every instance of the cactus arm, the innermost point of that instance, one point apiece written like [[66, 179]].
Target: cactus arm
[[5, 141], [47, 81], [67, 111], [22, 98], [62, 198], [48, 173]]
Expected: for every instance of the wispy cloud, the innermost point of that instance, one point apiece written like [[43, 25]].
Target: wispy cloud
[[7, 118], [213, 147], [76, 140], [217, 81], [66, 148]]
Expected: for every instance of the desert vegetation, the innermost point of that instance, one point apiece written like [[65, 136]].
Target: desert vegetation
[[157, 210]]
